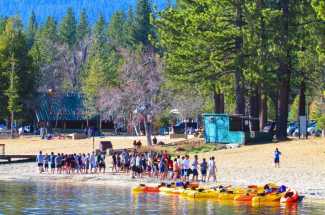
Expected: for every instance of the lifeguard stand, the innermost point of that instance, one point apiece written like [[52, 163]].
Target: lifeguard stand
[[217, 130]]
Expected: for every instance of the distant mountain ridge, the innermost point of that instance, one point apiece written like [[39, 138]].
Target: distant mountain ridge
[[58, 8]]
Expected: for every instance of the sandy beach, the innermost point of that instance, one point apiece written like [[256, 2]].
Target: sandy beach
[[302, 165], [33, 144]]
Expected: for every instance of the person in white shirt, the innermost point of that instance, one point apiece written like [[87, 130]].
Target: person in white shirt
[[93, 163], [40, 160], [212, 169], [186, 167]]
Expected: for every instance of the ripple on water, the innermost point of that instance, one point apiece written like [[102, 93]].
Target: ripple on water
[[51, 198]]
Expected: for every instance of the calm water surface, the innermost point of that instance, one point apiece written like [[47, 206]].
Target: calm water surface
[[51, 198]]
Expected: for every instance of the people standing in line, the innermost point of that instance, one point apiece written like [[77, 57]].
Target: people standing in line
[[204, 167], [277, 155], [195, 165], [212, 169], [40, 161]]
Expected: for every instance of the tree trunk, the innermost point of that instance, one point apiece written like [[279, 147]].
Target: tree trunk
[[302, 109], [282, 114], [239, 89], [219, 102], [12, 124], [185, 127], [284, 73], [100, 123], [263, 111], [147, 128], [302, 100], [254, 109]]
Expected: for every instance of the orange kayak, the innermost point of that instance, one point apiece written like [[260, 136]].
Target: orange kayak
[[244, 197]]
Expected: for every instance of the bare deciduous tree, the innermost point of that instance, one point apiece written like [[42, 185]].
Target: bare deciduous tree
[[139, 89]]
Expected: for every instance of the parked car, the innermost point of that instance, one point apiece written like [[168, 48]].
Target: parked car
[[311, 129], [292, 128], [3, 128], [180, 127], [269, 127]]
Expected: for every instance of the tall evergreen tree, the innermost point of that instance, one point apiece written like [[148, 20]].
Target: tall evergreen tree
[[142, 27], [83, 26], [16, 72], [68, 29], [32, 29], [116, 32], [99, 36]]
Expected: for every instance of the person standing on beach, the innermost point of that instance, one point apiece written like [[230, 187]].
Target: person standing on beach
[[195, 172], [46, 162], [40, 160], [186, 167], [212, 169], [204, 167], [93, 164], [52, 162], [277, 155]]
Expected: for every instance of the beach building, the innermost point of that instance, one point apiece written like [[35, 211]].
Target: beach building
[[67, 112], [233, 129]]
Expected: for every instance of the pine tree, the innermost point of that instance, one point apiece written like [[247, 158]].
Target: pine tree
[[83, 26], [18, 78], [32, 29], [99, 36], [68, 29], [49, 30], [116, 31], [142, 27]]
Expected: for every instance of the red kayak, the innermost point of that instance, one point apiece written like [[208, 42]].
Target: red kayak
[[290, 196], [148, 189]]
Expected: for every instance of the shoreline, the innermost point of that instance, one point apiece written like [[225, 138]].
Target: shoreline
[[29, 173]]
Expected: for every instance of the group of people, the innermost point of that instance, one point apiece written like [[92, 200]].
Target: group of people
[[163, 166], [138, 164], [71, 163]]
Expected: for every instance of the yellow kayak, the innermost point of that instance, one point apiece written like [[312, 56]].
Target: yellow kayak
[[231, 193], [202, 194], [178, 190], [226, 196], [138, 189], [166, 189], [273, 197]]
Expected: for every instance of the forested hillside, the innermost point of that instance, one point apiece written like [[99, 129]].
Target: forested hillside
[[58, 8]]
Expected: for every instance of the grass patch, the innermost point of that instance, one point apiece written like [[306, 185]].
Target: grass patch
[[190, 148]]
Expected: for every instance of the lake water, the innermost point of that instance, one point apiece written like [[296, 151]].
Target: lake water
[[58, 198]]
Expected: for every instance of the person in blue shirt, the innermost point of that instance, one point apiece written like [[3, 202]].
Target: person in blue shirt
[[277, 155]]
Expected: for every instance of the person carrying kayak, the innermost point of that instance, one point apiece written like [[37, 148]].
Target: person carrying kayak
[[277, 155]]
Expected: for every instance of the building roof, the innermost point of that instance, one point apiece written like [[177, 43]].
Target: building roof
[[66, 107]]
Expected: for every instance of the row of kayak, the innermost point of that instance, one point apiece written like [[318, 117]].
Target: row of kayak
[[255, 194]]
